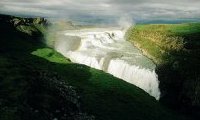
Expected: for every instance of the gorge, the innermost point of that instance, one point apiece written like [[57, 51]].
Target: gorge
[[106, 49]]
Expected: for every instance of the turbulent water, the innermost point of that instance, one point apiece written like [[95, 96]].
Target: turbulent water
[[107, 50]]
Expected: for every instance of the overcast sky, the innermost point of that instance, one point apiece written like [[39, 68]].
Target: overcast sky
[[102, 10]]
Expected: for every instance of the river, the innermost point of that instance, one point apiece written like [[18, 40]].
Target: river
[[106, 49]]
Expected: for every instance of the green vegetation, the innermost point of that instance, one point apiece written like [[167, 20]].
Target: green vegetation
[[36, 84], [175, 48], [50, 55], [160, 42]]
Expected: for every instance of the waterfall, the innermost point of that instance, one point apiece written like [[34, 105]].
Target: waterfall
[[107, 50]]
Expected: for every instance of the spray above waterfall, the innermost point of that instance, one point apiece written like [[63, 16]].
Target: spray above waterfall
[[125, 22]]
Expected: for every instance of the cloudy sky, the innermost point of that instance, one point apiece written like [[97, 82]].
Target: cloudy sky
[[105, 10]]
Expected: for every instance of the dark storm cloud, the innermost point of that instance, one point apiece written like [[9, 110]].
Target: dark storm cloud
[[138, 9]]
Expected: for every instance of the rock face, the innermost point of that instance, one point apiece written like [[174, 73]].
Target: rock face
[[29, 21], [50, 97], [22, 21], [32, 26]]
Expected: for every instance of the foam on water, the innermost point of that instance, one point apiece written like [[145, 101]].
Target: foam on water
[[107, 50]]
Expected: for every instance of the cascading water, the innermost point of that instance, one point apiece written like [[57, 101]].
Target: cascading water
[[107, 50]]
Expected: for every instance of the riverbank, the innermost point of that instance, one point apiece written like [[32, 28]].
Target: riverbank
[[175, 50]]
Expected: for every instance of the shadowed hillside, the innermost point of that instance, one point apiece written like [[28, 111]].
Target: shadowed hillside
[[28, 88]]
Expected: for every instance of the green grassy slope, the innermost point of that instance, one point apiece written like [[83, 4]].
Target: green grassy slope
[[161, 41], [175, 48], [34, 85]]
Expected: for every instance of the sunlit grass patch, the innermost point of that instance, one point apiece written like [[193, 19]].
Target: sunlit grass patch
[[50, 55]]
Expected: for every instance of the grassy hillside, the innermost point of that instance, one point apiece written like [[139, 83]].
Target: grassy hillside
[[162, 41], [175, 48], [28, 88], [37, 83]]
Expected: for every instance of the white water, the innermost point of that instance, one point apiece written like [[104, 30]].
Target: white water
[[107, 50]]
